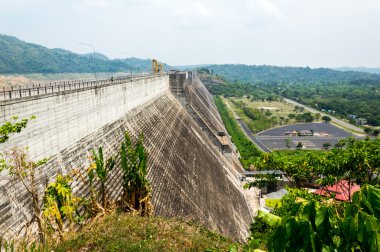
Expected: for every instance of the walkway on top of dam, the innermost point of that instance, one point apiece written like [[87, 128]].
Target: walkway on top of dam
[[16, 92]]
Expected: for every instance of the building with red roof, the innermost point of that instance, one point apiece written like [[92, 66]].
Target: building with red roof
[[342, 190]]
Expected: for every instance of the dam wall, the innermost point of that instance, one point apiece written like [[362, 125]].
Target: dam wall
[[190, 176], [63, 118]]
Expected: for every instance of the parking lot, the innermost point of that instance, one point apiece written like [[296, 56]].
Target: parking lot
[[279, 138]]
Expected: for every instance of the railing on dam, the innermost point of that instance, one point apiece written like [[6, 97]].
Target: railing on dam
[[9, 93]]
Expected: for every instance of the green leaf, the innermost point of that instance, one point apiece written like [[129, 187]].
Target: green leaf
[[270, 219]]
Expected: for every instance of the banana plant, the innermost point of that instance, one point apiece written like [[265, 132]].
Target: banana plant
[[134, 164], [101, 168]]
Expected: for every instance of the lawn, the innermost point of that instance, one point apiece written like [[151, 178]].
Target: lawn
[[259, 116]]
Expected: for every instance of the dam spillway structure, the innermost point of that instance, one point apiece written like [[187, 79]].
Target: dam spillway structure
[[192, 166]]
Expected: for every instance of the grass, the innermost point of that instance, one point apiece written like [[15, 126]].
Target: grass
[[268, 114], [248, 150], [125, 232]]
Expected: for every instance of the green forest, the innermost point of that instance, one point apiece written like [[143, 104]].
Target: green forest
[[19, 57], [271, 74]]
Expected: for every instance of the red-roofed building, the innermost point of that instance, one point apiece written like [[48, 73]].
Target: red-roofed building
[[342, 190]]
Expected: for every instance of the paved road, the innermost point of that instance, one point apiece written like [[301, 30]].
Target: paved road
[[247, 131], [333, 119], [297, 138], [252, 137]]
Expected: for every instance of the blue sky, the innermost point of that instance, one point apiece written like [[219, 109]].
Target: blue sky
[[315, 33]]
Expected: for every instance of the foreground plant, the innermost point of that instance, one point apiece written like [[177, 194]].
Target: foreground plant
[[101, 168], [320, 227], [60, 205], [137, 190], [23, 170]]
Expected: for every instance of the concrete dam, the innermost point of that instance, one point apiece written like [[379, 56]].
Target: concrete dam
[[192, 165]]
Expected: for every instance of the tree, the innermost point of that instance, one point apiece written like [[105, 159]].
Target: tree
[[287, 142], [355, 161], [299, 145], [291, 116], [376, 132], [368, 130], [23, 170], [326, 119], [299, 168], [326, 146], [262, 180], [317, 116]]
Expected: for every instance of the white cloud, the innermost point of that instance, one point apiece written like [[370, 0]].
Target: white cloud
[[262, 12], [193, 16], [96, 3]]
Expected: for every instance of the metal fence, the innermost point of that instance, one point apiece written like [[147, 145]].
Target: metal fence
[[10, 93]]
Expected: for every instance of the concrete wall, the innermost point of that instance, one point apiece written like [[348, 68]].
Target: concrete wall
[[64, 118], [190, 177]]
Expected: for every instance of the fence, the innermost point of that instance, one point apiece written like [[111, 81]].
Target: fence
[[10, 93]]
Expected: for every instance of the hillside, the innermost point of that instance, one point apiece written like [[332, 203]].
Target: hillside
[[268, 74], [125, 232], [19, 57], [359, 69]]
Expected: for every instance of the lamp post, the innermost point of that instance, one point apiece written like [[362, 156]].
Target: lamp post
[[93, 57]]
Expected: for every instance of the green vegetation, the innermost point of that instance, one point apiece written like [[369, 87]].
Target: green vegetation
[[353, 160], [308, 222], [136, 187], [358, 99], [248, 151], [101, 168], [262, 115], [273, 203], [317, 225], [17, 56], [241, 89], [326, 119], [11, 127], [127, 232], [60, 205], [274, 74], [255, 119], [349, 94], [304, 221]]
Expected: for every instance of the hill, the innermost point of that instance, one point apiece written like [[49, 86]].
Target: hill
[[359, 69], [269, 74], [19, 57], [125, 232]]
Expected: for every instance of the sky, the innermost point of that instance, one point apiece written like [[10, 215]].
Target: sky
[[314, 33]]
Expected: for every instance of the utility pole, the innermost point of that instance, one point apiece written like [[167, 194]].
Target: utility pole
[[93, 57]]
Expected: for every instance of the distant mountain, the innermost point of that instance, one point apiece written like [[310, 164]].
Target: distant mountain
[[359, 69], [97, 56], [19, 57], [245, 73]]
